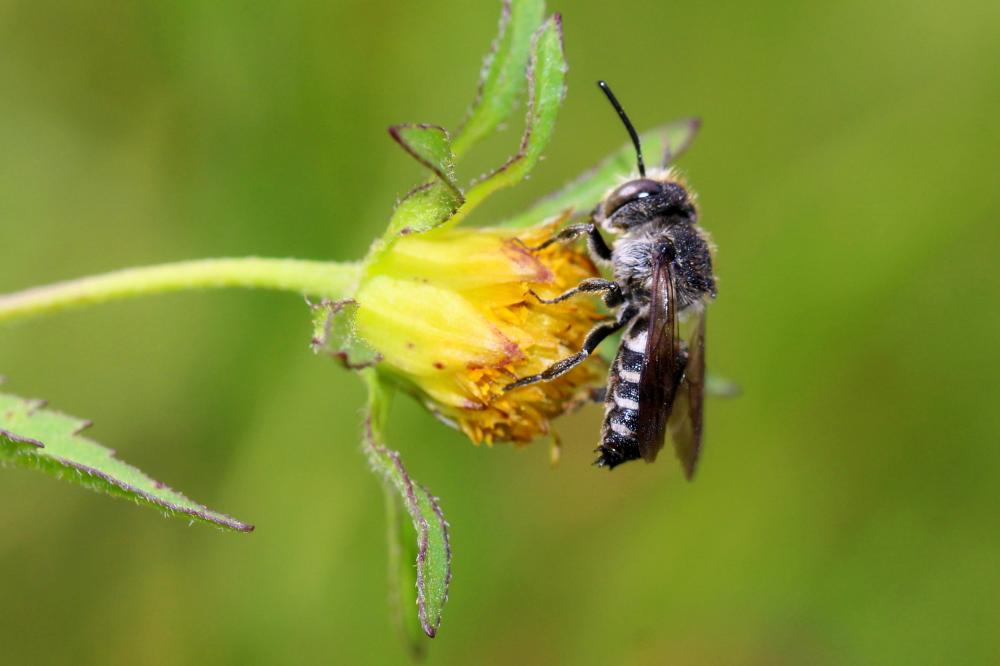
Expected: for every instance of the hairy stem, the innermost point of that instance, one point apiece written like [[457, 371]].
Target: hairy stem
[[312, 278]]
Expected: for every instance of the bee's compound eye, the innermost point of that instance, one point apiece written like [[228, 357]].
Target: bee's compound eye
[[633, 190]]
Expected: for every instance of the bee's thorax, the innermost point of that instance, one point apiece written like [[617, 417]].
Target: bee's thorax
[[634, 256]]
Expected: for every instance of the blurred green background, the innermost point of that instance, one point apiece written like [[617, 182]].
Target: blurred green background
[[846, 509]]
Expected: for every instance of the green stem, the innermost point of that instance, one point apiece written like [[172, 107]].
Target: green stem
[[312, 278]]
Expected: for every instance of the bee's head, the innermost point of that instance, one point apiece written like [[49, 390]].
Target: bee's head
[[643, 200]]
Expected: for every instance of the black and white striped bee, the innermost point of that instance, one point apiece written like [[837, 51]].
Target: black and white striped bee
[[662, 278]]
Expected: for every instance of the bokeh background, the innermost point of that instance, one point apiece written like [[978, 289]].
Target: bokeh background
[[846, 509]]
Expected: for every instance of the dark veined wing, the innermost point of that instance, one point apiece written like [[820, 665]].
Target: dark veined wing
[[658, 379], [684, 424]]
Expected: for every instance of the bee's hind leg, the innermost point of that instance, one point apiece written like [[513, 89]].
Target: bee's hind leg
[[612, 292], [595, 337]]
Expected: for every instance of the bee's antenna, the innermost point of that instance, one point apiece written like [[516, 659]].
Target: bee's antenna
[[628, 124]]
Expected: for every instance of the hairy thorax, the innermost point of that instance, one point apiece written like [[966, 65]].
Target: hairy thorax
[[633, 258]]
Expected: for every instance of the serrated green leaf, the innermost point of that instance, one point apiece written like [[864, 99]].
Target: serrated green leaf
[[431, 146], [502, 75], [333, 334], [433, 550], [583, 193], [546, 76], [37, 438]]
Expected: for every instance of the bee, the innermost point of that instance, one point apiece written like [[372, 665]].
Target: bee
[[661, 266]]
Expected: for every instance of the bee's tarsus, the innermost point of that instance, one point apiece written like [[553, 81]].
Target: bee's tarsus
[[556, 369]]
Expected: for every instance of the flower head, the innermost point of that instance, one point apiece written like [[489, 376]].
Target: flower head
[[453, 319]]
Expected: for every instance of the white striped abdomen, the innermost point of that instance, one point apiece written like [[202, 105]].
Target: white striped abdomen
[[619, 441]]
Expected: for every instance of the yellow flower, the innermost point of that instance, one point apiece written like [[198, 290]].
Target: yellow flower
[[452, 318]]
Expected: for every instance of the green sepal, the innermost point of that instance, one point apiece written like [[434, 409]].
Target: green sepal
[[431, 146], [422, 209], [333, 334]]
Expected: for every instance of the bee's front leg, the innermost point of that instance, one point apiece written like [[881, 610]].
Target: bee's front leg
[[612, 292], [595, 241]]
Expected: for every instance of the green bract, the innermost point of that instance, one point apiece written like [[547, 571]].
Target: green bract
[[502, 78]]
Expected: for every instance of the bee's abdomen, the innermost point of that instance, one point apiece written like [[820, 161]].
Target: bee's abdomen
[[619, 441]]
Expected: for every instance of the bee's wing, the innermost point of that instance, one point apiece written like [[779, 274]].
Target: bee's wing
[[658, 379], [685, 421]]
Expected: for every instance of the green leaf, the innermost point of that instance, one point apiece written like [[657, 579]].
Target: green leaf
[[37, 438], [433, 550], [333, 334], [546, 87], [502, 76], [583, 193], [431, 146]]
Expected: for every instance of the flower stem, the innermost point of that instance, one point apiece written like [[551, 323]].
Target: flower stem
[[312, 278]]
